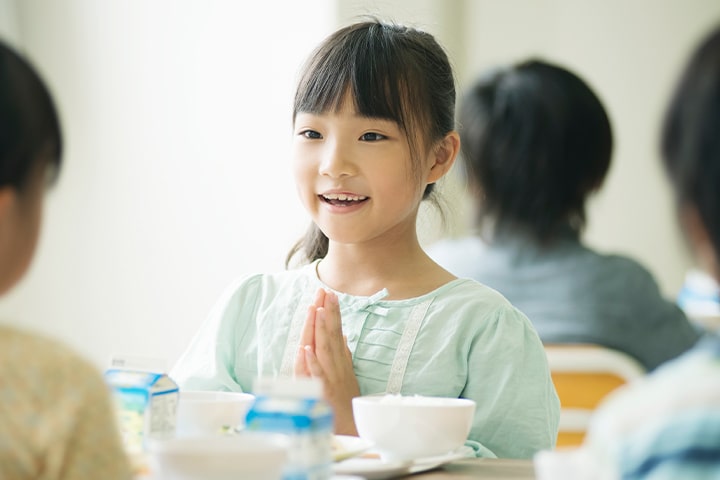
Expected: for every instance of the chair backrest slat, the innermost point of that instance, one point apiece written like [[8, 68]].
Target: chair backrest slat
[[584, 374]]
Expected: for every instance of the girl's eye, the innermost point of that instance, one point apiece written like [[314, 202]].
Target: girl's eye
[[372, 137], [311, 134]]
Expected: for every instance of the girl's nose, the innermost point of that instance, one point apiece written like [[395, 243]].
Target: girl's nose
[[336, 162]]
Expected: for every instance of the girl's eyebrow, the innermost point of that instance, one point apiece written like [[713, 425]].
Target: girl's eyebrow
[[355, 114], [373, 117]]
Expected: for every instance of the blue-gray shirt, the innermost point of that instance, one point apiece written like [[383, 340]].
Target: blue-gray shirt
[[573, 294]]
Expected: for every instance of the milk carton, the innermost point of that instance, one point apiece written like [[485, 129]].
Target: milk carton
[[146, 403]]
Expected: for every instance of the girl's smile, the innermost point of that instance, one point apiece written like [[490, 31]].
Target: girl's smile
[[343, 201]]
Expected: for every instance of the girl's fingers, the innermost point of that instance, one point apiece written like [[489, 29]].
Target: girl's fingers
[[320, 296], [332, 319], [332, 305], [323, 343], [331, 349], [307, 337], [312, 362], [301, 368]]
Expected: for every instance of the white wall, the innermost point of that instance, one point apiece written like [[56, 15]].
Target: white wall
[[8, 21], [177, 121]]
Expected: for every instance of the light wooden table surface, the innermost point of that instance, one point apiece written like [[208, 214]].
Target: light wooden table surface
[[481, 469], [465, 469]]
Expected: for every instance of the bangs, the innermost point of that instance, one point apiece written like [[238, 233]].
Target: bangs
[[364, 63]]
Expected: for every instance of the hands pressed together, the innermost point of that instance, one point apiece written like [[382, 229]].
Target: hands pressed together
[[324, 354]]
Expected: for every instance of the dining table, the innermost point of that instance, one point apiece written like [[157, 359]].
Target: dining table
[[453, 466], [481, 469], [464, 469]]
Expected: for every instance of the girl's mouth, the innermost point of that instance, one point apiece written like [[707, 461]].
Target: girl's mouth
[[342, 199]]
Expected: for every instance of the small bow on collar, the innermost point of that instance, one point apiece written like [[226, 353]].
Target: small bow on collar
[[367, 304]]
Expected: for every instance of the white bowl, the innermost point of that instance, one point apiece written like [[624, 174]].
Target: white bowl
[[249, 455], [411, 427], [211, 412]]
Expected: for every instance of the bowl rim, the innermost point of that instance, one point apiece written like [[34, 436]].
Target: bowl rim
[[380, 401]]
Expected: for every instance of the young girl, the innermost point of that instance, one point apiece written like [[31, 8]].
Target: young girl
[[56, 419], [369, 312]]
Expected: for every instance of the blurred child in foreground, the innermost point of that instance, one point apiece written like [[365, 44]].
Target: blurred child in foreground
[[667, 425], [56, 418]]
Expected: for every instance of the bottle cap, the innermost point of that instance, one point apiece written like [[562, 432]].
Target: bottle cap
[[303, 387]]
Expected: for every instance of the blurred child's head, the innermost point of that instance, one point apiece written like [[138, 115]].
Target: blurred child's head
[[390, 72], [691, 151], [30, 148], [536, 141]]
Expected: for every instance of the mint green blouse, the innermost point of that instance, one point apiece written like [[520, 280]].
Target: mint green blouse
[[461, 340]]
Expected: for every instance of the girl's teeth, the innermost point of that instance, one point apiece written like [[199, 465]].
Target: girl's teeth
[[344, 198]]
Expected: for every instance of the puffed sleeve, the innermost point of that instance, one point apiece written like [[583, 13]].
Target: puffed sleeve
[[518, 409], [209, 361]]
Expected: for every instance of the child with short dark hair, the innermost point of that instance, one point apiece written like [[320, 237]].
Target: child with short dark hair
[[56, 417], [537, 143]]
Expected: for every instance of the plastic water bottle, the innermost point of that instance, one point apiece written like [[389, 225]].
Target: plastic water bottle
[[295, 407]]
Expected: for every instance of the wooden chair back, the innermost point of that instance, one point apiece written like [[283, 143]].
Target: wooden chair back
[[583, 375]]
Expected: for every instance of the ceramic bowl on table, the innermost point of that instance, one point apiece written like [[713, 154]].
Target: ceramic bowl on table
[[211, 412], [412, 427], [248, 455]]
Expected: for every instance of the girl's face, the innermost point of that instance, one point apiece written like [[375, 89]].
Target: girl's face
[[355, 175]]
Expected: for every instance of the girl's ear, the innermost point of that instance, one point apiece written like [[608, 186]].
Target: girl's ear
[[443, 156], [699, 240]]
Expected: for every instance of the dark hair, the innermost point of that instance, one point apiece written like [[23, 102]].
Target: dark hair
[[392, 72], [690, 141], [29, 125], [536, 141]]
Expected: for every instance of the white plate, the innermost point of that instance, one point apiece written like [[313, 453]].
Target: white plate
[[378, 469], [346, 446]]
